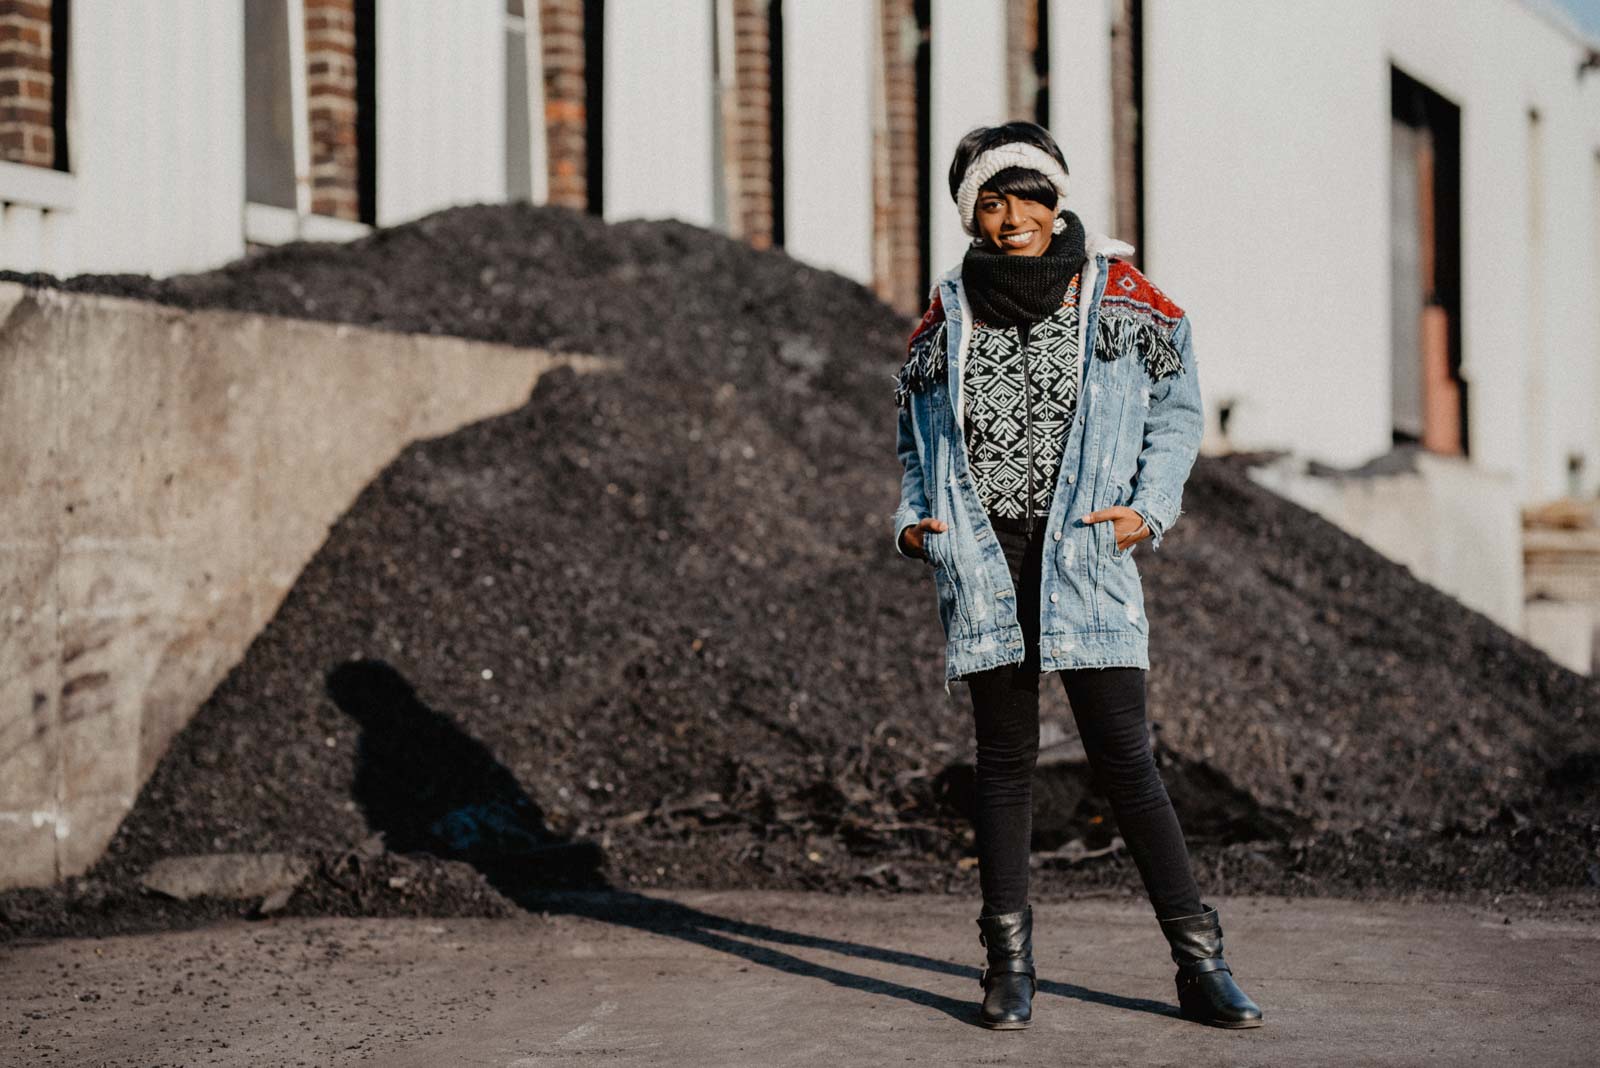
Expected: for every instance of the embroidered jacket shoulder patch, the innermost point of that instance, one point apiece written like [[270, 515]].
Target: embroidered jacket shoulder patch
[[925, 355], [1135, 315]]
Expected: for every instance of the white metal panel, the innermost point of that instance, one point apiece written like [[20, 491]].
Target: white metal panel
[[1267, 170], [155, 137], [1266, 213], [828, 66], [658, 111], [969, 89], [21, 236], [441, 105], [1080, 106]]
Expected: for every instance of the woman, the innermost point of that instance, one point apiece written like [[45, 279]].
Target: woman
[[1049, 415]]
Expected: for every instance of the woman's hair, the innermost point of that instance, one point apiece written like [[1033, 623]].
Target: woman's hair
[[1020, 182]]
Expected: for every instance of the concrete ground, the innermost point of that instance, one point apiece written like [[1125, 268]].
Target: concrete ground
[[778, 979]]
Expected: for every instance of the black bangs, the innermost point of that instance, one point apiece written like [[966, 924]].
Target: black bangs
[[1024, 184]]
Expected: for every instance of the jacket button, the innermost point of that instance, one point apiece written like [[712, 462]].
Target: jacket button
[[1058, 535], [1054, 597], [1072, 478]]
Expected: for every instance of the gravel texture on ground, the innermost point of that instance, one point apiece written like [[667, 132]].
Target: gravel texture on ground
[[650, 630]]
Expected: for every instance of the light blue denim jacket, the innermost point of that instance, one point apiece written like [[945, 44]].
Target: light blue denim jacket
[[1133, 441]]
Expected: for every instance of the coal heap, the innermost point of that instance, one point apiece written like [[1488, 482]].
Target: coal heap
[[649, 630]]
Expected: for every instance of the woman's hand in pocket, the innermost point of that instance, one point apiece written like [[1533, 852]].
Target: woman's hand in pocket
[[915, 537], [1129, 525]]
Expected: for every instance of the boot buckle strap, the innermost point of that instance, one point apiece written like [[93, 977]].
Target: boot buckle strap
[[1008, 967], [1195, 968]]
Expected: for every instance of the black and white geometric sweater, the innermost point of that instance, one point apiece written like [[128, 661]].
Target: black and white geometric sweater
[[1022, 392], [1136, 319]]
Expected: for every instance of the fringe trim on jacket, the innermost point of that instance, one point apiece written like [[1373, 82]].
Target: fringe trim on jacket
[[1121, 331], [925, 365]]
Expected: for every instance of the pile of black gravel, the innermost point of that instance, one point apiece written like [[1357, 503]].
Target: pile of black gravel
[[650, 629]]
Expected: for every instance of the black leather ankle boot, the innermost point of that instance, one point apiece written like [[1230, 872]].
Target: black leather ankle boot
[[1206, 990], [1009, 981]]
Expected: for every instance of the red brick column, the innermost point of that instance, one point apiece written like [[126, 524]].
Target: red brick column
[[1022, 41], [896, 257], [27, 134], [565, 101], [747, 127], [331, 101]]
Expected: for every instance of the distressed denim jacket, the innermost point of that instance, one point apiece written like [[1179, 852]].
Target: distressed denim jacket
[[1133, 441]]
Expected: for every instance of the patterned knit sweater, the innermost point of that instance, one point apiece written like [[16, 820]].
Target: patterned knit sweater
[[1022, 390]]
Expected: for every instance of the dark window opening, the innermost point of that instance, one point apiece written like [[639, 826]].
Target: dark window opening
[[924, 76], [775, 118], [1428, 396], [1127, 126], [1041, 64], [594, 81], [366, 111], [60, 38]]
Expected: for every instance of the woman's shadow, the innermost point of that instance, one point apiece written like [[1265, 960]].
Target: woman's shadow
[[428, 787]]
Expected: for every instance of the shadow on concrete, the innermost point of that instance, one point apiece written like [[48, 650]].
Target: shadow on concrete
[[428, 787]]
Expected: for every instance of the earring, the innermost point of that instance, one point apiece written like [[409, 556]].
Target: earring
[[977, 239], [1059, 225]]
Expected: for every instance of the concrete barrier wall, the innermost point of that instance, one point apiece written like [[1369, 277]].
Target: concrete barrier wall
[[1456, 526], [165, 476]]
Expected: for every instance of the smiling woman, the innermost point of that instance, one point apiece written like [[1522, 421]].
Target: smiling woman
[[1035, 459]]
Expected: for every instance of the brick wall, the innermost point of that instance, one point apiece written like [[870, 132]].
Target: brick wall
[[565, 97], [1022, 42], [896, 259], [27, 134], [331, 100], [747, 127]]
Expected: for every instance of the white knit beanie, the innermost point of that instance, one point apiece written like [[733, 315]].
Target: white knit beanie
[[1011, 154]]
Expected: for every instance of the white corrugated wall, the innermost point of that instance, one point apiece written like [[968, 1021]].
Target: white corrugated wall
[[659, 109], [441, 105], [969, 89], [829, 63], [156, 140]]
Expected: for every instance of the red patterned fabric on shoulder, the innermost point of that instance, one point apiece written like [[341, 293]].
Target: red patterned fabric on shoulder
[[1135, 316], [1125, 282], [930, 318]]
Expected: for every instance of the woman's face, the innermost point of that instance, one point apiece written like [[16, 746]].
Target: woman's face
[[1013, 225]]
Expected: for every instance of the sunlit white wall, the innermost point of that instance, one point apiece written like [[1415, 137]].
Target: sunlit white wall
[[659, 109], [157, 141], [1080, 105], [1267, 171], [969, 89], [829, 71], [441, 105]]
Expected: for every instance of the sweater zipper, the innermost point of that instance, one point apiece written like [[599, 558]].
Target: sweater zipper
[[1027, 415]]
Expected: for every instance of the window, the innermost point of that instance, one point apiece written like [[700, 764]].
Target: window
[[524, 141], [1428, 397], [271, 133], [309, 132]]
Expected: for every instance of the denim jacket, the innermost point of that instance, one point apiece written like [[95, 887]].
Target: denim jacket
[[1132, 442]]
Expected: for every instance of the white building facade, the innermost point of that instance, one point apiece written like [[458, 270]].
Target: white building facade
[[1383, 218]]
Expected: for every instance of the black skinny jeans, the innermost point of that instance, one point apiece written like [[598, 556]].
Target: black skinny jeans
[[1109, 707]]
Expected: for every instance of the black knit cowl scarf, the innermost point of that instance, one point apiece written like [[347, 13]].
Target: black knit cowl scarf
[[1006, 290]]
